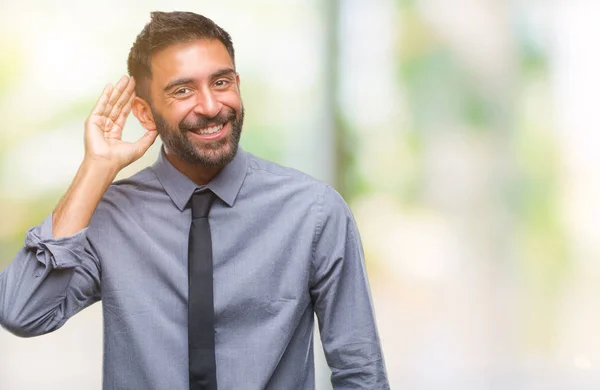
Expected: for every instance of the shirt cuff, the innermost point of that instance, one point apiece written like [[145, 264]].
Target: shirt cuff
[[58, 253]]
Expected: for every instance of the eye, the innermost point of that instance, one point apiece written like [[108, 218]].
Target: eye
[[221, 83], [182, 91]]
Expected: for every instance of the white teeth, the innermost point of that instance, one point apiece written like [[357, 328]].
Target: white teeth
[[210, 130]]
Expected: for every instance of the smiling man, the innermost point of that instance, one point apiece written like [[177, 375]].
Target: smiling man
[[211, 263]]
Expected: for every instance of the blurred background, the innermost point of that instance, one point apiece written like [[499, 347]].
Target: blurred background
[[460, 132]]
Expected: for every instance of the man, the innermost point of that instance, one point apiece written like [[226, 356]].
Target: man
[[210, 263]]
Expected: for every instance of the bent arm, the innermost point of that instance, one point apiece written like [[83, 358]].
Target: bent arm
[[57, 273]]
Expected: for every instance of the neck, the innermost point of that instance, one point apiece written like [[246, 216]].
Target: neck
[[199, 174]]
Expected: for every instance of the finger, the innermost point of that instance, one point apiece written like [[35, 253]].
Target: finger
[[122, 100], [104, 124], [144, 143], [117, 91], [99, 121], [108, 125], [115, 94], [102, 100], [122, 118]]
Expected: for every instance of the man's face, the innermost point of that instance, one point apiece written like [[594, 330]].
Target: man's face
[[196, 102]]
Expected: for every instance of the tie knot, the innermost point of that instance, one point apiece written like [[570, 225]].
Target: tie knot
[[201, 202]]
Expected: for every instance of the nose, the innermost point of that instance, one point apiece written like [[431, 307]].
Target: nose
[[207, 103]]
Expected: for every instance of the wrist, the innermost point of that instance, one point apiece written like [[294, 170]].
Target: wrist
[[100, 166], [97, 174]]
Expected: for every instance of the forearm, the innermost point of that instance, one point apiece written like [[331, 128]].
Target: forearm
[[75, 210], [57, 273]]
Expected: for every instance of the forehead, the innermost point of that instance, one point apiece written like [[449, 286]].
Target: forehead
[[195, 59]]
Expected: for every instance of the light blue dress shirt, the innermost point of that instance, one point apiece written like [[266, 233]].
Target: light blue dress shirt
[[285, 246]]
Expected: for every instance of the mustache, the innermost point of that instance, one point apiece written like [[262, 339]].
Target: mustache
[[202, 122]]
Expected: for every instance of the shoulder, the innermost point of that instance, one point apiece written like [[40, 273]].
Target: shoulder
[[293, 184], [129, 191], [334, 203], [262, 166], [333, 211], [270, 175]]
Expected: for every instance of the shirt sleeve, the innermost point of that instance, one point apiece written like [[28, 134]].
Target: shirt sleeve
[[48, 281], [342, 300]]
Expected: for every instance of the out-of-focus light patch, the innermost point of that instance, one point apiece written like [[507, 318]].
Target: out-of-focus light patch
[[576, 65], [65, 66], [442, 351], [293, 51], [582, 362], [370, 95], [458, 169], [414, 243], [11, 72], [369, 90], [578, 322], [576, 61], [61, 67], [385, 161], [577, 81], [43, 162], [477, 31], [536, 20]]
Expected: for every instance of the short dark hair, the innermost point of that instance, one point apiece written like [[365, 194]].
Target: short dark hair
[[163, 30]]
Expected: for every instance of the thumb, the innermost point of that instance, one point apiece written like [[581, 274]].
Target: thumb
[[142, 144]]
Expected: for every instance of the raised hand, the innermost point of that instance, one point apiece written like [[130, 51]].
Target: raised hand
[[104, 127]]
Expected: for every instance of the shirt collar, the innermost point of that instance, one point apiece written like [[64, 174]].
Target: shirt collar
[[226, 185]]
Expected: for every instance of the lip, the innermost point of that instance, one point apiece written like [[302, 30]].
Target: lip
[[211, 137]]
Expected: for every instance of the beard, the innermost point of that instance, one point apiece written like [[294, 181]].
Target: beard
[[216, 153]]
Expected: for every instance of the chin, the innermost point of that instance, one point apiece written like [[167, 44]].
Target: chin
[[214, 157]]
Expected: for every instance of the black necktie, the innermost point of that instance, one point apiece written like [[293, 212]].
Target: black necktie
[[201, 334]]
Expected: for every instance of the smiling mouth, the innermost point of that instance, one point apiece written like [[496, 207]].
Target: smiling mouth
[[211, 130]]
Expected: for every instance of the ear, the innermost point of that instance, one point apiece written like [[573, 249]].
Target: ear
[[141, 110], [237, 81]]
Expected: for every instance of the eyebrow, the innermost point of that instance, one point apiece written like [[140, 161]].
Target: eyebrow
[[222, 72], [177, 82], [187, 80]]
